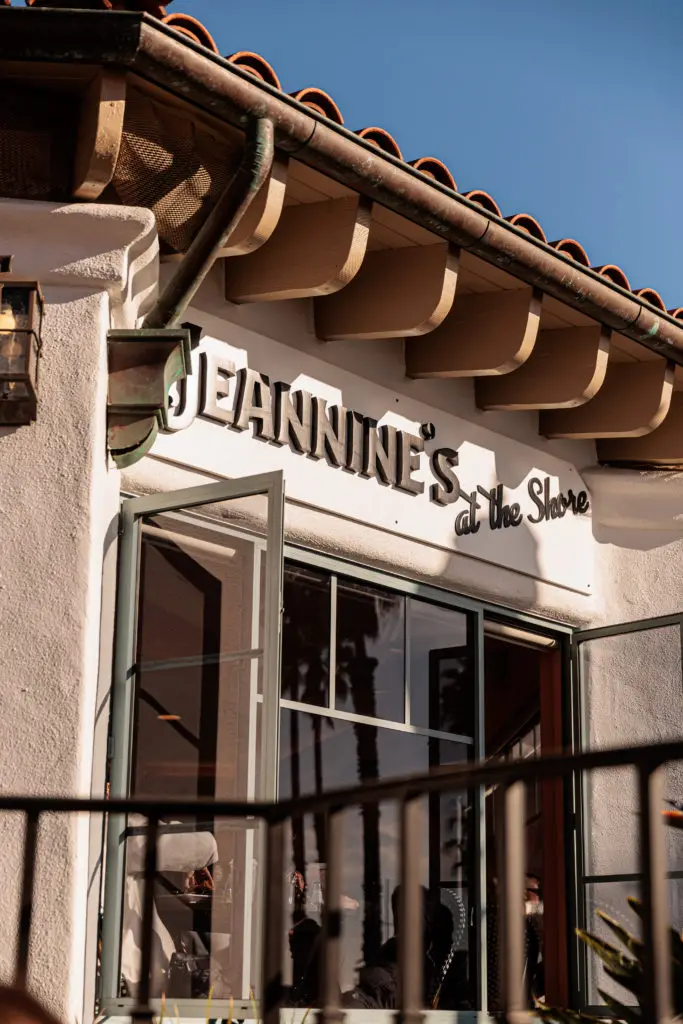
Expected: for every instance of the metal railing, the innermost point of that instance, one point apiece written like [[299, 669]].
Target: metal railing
[[512, 777]]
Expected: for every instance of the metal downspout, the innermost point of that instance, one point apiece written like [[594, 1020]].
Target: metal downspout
[[234, 202]]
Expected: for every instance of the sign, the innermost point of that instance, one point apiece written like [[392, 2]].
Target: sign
[[345, 450]]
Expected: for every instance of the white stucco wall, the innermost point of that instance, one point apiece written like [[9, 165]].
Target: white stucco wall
[[58, 502], [58, 507]]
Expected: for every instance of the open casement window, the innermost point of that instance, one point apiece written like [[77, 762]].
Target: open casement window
[[196, 685], [630, 694]]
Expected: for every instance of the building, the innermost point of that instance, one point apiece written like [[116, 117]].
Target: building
[[462, 442]]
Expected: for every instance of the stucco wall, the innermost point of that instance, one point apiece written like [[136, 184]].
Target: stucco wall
[[58, 502], [58, 508]]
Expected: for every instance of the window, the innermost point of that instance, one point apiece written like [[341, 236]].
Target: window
[[373, 682], [376, 684], [630, 694]]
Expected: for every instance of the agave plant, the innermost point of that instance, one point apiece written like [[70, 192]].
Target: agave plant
[[625, 966]]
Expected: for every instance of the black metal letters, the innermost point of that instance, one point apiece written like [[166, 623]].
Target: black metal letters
[[362, 446]]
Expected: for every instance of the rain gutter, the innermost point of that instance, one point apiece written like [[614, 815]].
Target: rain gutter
[[233, 203]]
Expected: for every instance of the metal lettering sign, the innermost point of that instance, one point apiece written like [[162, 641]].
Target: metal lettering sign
[[456, 496]]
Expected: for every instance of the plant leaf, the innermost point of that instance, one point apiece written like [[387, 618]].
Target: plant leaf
[[629, 1014], [610, 955], [631, 984], [632, 944]]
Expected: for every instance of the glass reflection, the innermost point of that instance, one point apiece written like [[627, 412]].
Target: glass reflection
[[441, 669], [306, 636], [194, 736], [319, 753], [370, 651]]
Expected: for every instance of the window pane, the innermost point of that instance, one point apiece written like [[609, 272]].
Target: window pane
[[612, 898], [370, 651], [196, 664], [319, 753], [306, 637], [195, 722], [631, 694], [441, 669]]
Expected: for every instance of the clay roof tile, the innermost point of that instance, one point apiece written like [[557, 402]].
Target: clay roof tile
[[382, 139], [191, 28], [435, 169], [529, 224], [614, 274], [484, 200], [321, 102], [257, 65], [651, 296], [570, 247]]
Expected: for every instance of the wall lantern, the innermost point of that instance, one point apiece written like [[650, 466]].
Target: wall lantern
[[21, 316]]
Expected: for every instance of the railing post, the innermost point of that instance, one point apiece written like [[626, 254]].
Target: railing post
[[512, 903], [273, 923], [411, 914], [331, 1012], [26, 906], [657, 995], [143, 1011]]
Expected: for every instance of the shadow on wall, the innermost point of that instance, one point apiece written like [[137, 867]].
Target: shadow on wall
[[19, 1008], [635, 540]]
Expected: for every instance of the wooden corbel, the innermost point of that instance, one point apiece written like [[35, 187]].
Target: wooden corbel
[[396, 292], [661, 447], [143, 365], [99, 135], [566, 369], [633, 401], [315, 249], [490, 333], [263, 215]]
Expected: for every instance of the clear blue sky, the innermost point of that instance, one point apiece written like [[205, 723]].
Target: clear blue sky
[[570, 111]]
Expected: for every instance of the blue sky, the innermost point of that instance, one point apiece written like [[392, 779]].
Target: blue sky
[[569, 111]]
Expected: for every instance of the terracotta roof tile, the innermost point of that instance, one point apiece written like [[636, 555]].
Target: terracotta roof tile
[[570, 247], [257, 65], [435, 169], [614, 274], [191, 28], [382, 139], [651, 296], [529, 224], [321, 102], [484, 200]]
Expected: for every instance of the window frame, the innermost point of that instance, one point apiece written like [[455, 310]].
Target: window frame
[[122, 698], [580, 880], [132, 510]]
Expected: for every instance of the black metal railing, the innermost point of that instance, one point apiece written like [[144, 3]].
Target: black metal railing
[[512, 778]]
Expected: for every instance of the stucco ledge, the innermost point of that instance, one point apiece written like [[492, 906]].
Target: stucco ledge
[[89, 245], [636, 499]]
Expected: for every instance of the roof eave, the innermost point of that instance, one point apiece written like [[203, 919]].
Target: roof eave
[[142, 44]]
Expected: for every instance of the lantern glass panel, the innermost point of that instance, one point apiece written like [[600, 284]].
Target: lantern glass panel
[[13, 352], [17, 301], [14, 390], [18, 337]]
